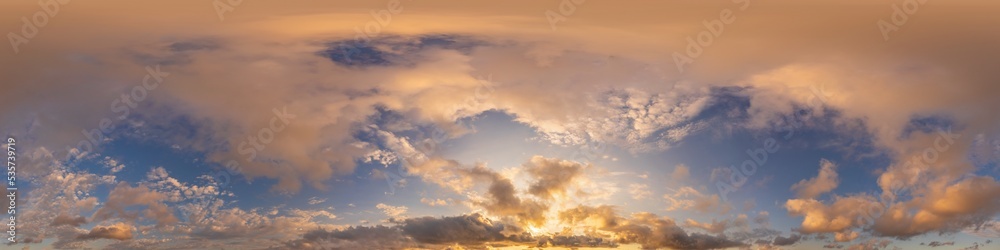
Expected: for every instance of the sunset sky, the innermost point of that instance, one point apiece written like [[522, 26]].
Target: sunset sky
[[412, 124]]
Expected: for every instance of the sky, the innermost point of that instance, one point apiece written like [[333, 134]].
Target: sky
[[555, 124]]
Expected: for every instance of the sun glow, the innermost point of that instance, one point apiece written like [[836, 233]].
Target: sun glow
[[535, 230]]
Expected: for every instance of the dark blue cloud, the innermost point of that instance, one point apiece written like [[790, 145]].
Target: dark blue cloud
[[175, 53], [393, 50], [927, 124]]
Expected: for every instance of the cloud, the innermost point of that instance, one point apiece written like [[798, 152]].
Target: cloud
[[142, 243], [845, 236], [64, 219], [749, 205], [938, 243], [639, 191], [311, 214], [64, 194], [575, 241], [433, 202], [653, 232], [552, 176], [502, 199], [949, 208], [715, 227], [688, 198], [472, 229], [113, 165], [783, 241], [647, 117], [681, 173], [66, 238], [988, 229], [843, 213], [124, 195], [466, 229], [871, 244], [762, 218], [117, 231], [646, 229], [394, 212], [548, 183], [378, 236], [720, 174], [825, 182], [637, 120], [225, 87], [604, 216], [316, 200], [217, 227]]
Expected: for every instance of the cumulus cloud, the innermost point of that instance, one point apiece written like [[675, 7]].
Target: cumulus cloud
[[174, 190], [950, 208], [845, 236], [825, 182], [597, 217], [394, 212], [548, 181], [118, 231], [646, 229], [54, 208], [124, 196], [215, 226], [113, 165], [552, 176], [842, 214], [502, 199]]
